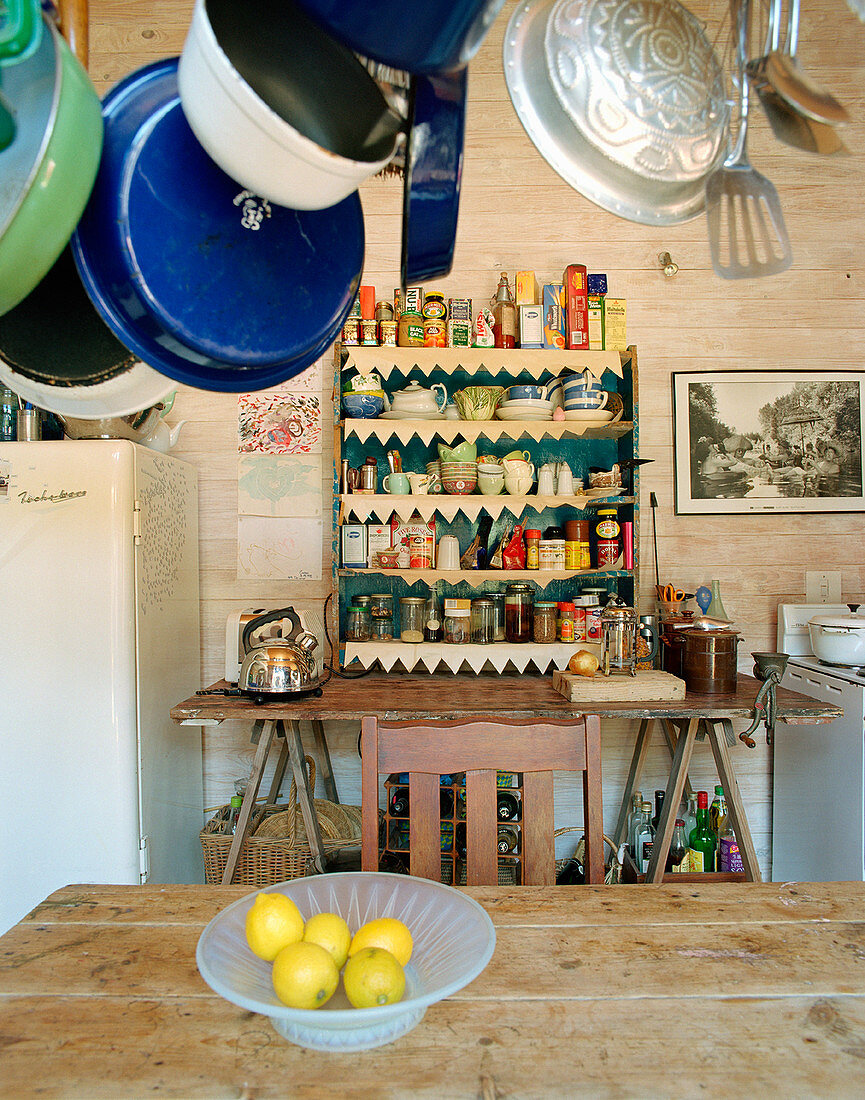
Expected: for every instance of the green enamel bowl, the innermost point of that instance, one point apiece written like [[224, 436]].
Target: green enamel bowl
[[49, 168]]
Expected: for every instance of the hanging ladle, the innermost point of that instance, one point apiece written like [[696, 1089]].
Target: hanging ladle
[[794, 85], [788, 123]]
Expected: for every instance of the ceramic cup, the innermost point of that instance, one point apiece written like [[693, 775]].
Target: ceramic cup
[[588, 400], [528, 393], [517, 456], [420, 483], [396, 483], [577, 383], [517, 486], [490, 484], [516, 467], [448, 553]]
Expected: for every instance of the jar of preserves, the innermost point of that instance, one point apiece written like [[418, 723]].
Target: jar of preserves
[[607, 527], [457, 625], [483, 621], [435, 334], [411, 618], [434, 308], [410, 330], [357, 627], [518, 613], [544, 625]]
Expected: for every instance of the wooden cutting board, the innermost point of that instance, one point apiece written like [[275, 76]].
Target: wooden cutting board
[[648, 684]]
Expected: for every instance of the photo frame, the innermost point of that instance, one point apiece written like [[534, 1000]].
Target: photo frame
[[751, 442]]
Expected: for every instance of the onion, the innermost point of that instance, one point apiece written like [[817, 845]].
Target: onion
[[584, 663]]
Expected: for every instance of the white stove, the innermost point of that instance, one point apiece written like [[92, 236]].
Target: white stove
[[818, 818]]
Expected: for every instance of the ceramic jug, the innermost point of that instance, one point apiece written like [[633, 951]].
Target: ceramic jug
[[414, 400], [546, 481]]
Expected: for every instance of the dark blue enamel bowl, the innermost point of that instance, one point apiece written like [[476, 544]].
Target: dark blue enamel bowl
[[205, 282]]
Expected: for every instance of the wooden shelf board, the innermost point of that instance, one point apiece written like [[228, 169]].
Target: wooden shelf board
[[471, 430], [542, 577]]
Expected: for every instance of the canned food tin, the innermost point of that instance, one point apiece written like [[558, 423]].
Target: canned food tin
[[387, 334], [551, 554], [419, 552], [593, 624], [608, 553], [435, 334], [351, 333], [369, 333]]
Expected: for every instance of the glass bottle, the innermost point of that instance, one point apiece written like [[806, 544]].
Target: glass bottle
[[715, 610], [399, 802], [432, 625], [702, 841], [645, 840], [729, 857], [718, 811], [690, 814], [638, 819], [636, 803], [677, 861], [233, 814], [571, 874], [659, 805], [504, 315], [507, 806], [507, 839]]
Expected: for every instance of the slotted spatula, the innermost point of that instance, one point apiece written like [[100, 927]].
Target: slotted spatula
[[747, 234]]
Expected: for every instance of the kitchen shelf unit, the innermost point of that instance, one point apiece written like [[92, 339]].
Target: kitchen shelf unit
[[394, 834], [582, 446]]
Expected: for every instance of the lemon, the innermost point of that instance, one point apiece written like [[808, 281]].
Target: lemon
[[386, 932], [304, 975], [273, 922], [373, 977], [331, 932]]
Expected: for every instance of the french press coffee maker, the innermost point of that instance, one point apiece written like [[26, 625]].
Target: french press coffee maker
[[620, 629]]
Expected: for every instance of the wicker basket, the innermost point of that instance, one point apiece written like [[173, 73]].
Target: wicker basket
[[613, 873], [276, 848]]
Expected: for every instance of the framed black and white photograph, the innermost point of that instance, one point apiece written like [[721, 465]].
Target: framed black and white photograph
[[768, 441]]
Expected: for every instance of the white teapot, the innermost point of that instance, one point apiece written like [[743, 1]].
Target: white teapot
[[415, 401]]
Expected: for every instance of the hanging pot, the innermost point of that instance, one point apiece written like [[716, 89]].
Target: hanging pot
[[49, 168], [203, 280], [280, 105]]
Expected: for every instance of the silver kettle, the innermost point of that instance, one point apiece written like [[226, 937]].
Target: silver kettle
[[278, 666]]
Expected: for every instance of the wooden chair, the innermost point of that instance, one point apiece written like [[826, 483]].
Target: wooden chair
[[479, 748]]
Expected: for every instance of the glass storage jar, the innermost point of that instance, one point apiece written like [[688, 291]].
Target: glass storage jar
[[457, 625], [518, 613], [381, 605], [544, 628], [381, 630], [483, 621], [498, 599], [357, 627], [411, 618]]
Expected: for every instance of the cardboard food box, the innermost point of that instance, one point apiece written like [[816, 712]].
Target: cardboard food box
[[531, 322], [554, 316], [526, 289], [576, 307], [415, 541], [596, 322], [377, 538], [615, 338]]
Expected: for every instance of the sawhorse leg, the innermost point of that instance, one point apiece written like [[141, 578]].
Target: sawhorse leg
[[262, 731], [672, 798], [720, 742], [638, 759]]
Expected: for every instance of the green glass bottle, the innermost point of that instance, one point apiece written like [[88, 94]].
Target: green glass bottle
[[702, 841], [718, 812]]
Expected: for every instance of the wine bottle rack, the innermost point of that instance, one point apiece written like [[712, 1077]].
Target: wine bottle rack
[[394, 848]]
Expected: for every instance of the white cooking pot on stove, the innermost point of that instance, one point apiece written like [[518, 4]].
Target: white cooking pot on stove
[[839, 639]]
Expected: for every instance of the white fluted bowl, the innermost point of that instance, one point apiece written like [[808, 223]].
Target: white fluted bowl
[[453, 938]]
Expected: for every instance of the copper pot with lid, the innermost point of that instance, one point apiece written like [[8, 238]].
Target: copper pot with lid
[[709, 660]]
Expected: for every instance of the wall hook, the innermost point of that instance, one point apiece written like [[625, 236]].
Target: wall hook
[[667, 265]]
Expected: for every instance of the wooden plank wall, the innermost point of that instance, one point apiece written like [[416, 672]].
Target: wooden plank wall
[[517, 213]]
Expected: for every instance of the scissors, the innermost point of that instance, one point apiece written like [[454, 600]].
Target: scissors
[[669, 594]]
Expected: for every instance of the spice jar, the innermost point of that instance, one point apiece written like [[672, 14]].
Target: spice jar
[[518, 613], [533, 539], [358, 624], [457, 625], [411, 618], [483, 620], [410, 330], [565, 627], [498, 600], [544, 627], [551, 553]]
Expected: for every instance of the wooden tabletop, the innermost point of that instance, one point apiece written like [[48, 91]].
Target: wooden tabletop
[[406, 696], [743, 989]]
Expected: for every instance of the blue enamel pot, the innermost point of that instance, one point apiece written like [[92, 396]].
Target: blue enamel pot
[[206, 282]]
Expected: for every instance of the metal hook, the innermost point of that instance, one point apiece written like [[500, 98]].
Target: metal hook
[[669, 268]]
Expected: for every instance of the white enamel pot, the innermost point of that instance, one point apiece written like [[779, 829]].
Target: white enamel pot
[[282, 108], [838, 639]]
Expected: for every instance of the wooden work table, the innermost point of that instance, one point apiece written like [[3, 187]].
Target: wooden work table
[[408, 696], [741, 989]]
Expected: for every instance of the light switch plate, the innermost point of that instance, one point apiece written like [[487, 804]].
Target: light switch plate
[[822, 587]]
